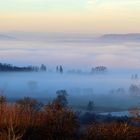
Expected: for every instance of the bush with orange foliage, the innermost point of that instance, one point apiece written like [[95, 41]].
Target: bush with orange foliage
[[53, 122], [15, 123], [23, 120], [112, 131], [60, 123]]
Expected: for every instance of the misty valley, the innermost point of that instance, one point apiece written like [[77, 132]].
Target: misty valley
[[111, 90], [69, 87], [70, 70], [103, 69]]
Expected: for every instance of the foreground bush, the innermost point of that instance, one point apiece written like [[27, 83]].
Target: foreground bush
[[28, 119], [59, 123], [112, 131], [13, 123], [53, 122]]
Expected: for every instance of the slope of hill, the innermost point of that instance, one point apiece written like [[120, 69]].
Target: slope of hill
[[6, 37], [132, 37]]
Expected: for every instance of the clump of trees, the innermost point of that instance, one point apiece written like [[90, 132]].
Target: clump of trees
[[62, 97], [134, 76], [134, 90], [10, 68], [59, 69], [99, 69]]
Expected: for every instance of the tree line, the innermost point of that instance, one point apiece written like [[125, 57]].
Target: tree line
[[11, 68], [4, 67]]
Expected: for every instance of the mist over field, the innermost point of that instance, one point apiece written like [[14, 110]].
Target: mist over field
[[71, 51], [70, 70], [77, 54]]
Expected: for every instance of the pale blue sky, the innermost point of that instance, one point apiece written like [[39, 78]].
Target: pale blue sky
[[46, 5], [41, 5]]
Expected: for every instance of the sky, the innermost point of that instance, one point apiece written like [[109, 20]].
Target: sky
[[90, 16]]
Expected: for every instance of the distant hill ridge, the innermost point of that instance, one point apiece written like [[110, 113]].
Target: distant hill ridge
[[134, 37], [130, 35], [6, 37], [120, 37]]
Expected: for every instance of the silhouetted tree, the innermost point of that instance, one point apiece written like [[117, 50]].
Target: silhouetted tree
[[90, 106], [43, 67], [62, 97], [61, 69], [57, 69]]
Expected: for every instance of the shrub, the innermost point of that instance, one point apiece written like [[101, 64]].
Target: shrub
[[110, 131]]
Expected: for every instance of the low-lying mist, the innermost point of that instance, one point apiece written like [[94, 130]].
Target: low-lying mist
[[110, 89], [119, 87]]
